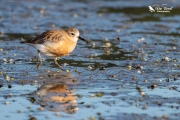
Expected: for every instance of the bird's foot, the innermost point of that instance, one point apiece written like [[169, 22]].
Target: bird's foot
[[39, 65]]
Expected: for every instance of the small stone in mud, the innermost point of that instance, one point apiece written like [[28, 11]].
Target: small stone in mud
[[11, 60], [88, 106], [41, 109], [5, 52], [165, 117], [174, 48], [57, 114], [129, 67], [113, 76], [142, 93], [134, 78], [6, 103], [32, 118], [175, 77], [74, 80], [9, 86], [139, 89], [165, 59], [4, 60], [139, 66], [102, 68], [1, 49], [152, 86], [144, 107], [20, 111], [79, 96], [167, 79], [88, 41], [89, 67], [93, 45], [118, 30], [92, 118], [11, 78], [99, 94], [138, 71], [92, 95], [159, 103], [145, 80], [173, 88], [137, 105]]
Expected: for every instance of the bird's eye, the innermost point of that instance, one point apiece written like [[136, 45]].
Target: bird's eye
[[72, 34]]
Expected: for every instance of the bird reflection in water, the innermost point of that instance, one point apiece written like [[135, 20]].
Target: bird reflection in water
[[56, 97]]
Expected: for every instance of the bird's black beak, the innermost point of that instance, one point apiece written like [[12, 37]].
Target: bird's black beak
[[81, 38]]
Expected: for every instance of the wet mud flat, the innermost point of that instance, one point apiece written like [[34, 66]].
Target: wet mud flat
[[128, 69]]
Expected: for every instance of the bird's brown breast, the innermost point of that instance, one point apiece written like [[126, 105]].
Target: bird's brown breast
[[61, 48]]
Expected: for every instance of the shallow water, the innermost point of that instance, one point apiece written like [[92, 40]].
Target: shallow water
[[133, 77]]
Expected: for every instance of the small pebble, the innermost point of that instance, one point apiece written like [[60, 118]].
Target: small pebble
[[6, 52], [4, 60], [139, 71], [114, 76], [134, 78], [89, 67], [20, 111], [137, 105], [6, 103], [118, 30], [75, 15], [175, 77], [99, 94], [129, 67], [108, 44], [167, 79], [142, 93], [102, 68], [92, 95], [165, 59], [1, 49], [93, 45], [145, 80], [41, 109], [174, 48], [57, 114], [79, 96], [11, 60], [165, 117], [32, 118], [92, 118]]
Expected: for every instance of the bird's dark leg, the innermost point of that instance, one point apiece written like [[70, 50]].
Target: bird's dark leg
[[40, 59], [55, 61]]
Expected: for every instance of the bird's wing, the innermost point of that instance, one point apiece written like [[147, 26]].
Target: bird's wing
[[48, 36]]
